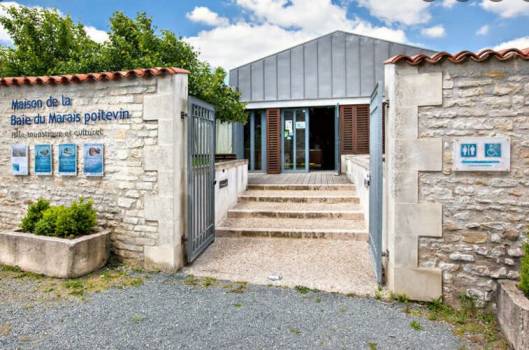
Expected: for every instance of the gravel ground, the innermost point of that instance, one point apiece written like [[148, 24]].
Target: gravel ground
[[166, 313]]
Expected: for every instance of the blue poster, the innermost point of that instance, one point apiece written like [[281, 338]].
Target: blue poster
[[68, 159], [43, 160], [93, 159]]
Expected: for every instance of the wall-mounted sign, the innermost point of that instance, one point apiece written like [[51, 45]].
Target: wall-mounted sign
[[43, 160], [93, 159], [19, 159], [482, 154], [300, 125], [68, 159]]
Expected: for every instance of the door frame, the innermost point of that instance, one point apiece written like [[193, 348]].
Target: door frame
[[251, 120], [307, 146]]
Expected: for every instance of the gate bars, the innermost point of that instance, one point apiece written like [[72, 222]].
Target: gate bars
[[200, 177]]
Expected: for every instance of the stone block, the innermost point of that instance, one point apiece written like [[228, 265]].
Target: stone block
[[418, 283]]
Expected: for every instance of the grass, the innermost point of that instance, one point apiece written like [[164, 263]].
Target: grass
[[416, 325], [112, 276], [294, 330], [468, 321], [238, 305], [137, 318], [372, 346], [305, 290]]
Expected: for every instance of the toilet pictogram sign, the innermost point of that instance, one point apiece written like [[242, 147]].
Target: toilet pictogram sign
[[482, 154]]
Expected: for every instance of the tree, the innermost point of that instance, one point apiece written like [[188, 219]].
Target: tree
[[46, 43]]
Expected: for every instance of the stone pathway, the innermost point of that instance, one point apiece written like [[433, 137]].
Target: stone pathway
[[172, 312]]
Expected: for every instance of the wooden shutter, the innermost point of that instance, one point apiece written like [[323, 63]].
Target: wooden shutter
[[362, 129], [354, 129], [273, 141]]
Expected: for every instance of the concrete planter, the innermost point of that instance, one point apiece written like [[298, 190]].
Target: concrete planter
[[55, 257], [513, 314]]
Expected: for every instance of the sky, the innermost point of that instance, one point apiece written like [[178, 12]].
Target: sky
[[229, 33]]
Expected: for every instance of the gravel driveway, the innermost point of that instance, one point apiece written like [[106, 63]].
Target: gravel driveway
[[168, 312]]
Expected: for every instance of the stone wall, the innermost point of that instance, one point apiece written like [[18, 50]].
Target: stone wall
[[484, 214], [133, 182]]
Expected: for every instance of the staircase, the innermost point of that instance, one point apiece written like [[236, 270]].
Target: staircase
[[329, 211]]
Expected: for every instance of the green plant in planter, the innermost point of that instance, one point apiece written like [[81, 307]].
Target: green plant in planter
[[59, 221], [524, 271], [34, 214]]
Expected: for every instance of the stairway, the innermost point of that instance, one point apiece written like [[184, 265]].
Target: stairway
[[296, 211]]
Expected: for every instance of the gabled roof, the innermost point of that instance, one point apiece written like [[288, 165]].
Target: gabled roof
[[460, 57], [84, 77], [329, 34]]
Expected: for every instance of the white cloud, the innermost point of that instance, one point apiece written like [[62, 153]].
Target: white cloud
[[518, 43], [434, 32], [507, 8], [483, 30], [408, 12], [201, 14], [95, 34], [448, 3], [277, 25]]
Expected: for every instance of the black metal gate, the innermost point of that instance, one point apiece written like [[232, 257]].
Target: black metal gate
[[200, 178], [376, 179]]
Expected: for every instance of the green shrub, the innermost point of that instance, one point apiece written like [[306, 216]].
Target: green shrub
[[524, 271], [47, 226], [59, 221], [34, 214]]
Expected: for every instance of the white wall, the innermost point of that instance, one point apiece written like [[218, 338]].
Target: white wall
[[356, 168], [236, 172]]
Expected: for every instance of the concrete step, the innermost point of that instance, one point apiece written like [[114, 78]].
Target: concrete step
[[302, 187], [335, 229], [300, 196], [249, 209]]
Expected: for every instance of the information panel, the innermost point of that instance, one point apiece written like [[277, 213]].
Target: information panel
[[19, 159], [482, 154], [43, 160], [93, 159], [68, 159]]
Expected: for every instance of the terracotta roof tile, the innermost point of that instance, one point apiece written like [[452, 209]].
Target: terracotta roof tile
[[460, 57], [79, 78]]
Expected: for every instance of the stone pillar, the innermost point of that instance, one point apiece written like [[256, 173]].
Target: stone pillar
[[408, 218], [168, 205]]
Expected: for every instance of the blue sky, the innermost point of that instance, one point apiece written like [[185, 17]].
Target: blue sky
[[231, 32]]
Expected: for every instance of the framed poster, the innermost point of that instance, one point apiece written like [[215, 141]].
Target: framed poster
[[93, 159], [19, 160], [68, 159], [43, 160]]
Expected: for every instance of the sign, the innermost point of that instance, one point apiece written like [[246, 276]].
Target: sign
[[43, 160], [93, 159], [300, 125], [19, 160], [482, 154], [68, 160]]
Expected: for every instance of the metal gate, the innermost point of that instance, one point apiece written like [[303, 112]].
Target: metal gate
[[200, 178], [376, 179]]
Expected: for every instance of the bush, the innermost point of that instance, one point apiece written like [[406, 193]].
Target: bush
[[34, 214], [59, 221], [524, 271]]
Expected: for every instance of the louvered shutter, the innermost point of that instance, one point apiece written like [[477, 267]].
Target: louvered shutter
[[354, 129], [273, 141]]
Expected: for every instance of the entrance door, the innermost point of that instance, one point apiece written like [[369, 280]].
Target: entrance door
[[255, 141], [295, 140]]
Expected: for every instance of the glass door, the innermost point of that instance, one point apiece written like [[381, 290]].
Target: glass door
[[295, 140], [254, 141]]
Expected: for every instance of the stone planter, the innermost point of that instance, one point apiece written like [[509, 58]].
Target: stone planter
[[513, 314], [55, 257]]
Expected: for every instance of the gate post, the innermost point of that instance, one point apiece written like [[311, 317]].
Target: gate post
[[407, 217], [167, 159]]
